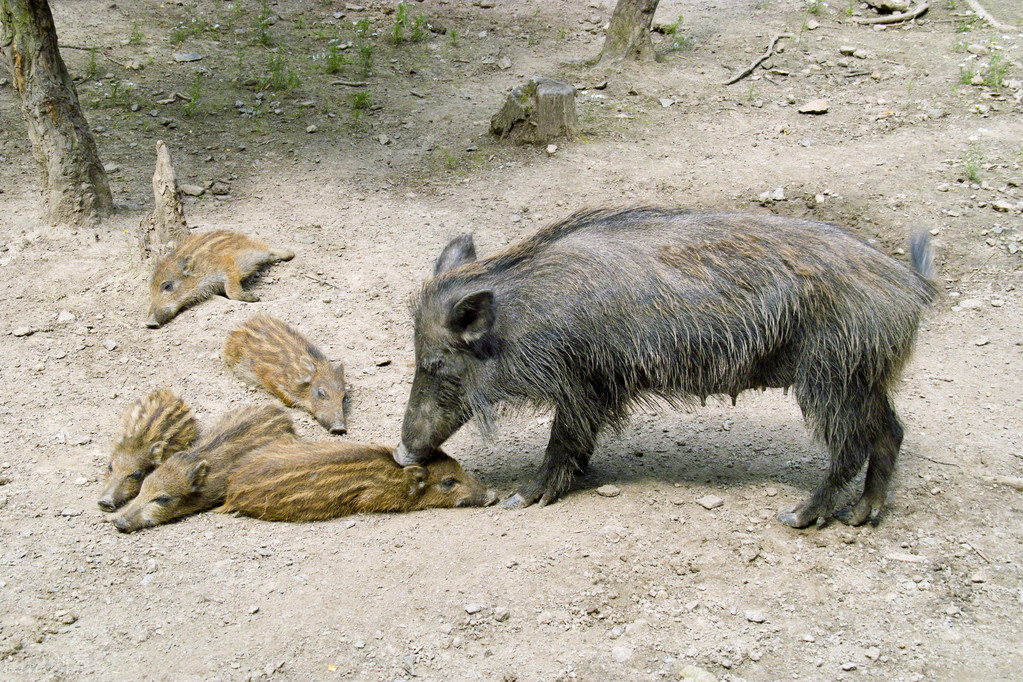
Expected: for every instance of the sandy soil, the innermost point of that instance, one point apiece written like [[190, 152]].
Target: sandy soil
[[645, 585]]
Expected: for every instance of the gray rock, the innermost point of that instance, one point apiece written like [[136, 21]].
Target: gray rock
[[192, 190], [66, 317], [110, 344], [815, 107], [693, 673], [504, 63], [473, 608], [311, 128], [186, 56], [710, 502], [755, 616], [501, 614], [621, 653], [70, 512], [23, 331], [609, 491]]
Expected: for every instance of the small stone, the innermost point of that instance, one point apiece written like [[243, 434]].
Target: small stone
[[146, 579], [755, 616], [977, 48], [311, 128], [23, 331], [66, 317], [638, 627], [359, 644], [152, 566], [978, 577], [995, 303], [778, 194], [615, 632], [446, 629], [473, 608], [253, 610], [666, 102], [220, 189], [383, 139], [693, 673], [812, 25], [846, 50], [504, 63], [710, 502], [814, 106], [501, 614], [953, 610], [621, 653], [551, 149], [982, 341], [516, 218], [848, 666], [81, 481], [110, 344], [186, 56], [111, 167], [609, 490], [860, 54], [1003, 206], [70, 512], [873, 653], [192, 190]]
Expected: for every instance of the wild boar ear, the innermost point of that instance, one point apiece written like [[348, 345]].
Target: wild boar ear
[[473, 316], [185, 265], [156, 452], [308, 372], [415, 479], [460, 251], [198, 474]]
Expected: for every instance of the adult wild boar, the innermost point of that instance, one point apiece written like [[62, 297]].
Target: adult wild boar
[[609, 308]]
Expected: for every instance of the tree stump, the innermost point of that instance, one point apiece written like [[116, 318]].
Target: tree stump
[[628, 33], [75, 184], [538, 112], [165, 227]]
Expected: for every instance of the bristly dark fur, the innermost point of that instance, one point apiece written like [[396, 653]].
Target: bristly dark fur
[[612, 308]]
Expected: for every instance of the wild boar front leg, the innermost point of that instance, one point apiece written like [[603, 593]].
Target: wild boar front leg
[[568, 453], [233, 286]]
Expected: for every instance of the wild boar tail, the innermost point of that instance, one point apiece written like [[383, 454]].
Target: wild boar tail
[[921, 254]]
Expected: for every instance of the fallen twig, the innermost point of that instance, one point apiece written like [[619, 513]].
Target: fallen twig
[[895, 18], [979, 553], [938, 461], [979, 10], [320, 281], [351, 84], [1010, 481], [763, 58]]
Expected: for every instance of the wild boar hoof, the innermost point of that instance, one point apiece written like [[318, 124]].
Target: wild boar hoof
[[860, 513], [516, 501]]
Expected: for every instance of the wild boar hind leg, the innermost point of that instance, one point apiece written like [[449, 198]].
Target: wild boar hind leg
[[233, 286], [568, 453]]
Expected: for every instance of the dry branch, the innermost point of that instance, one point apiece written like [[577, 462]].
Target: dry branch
[[979, 10], [896, 18], [763, 58]]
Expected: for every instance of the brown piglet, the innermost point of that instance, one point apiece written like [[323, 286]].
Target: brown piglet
[[302, 481], [196, 479], [265, 351], [153, 428], [203, 265]]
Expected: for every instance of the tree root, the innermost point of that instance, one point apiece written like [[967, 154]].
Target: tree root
[[763, 58]]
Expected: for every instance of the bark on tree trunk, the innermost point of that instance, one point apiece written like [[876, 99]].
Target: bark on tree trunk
[[75, 183], [628, 34], [165, 227]]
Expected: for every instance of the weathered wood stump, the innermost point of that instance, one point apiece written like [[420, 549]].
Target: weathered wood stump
[[538, 112], [165, 227]]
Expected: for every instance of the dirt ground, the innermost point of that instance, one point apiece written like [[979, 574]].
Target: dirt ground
[[923, 130]]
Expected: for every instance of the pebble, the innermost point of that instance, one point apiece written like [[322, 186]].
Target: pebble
[[693, 673], [771, 492], [66, 317], [666, 102], [846, 50], [1003, 206], [186, 56], [978, 577], [152, 566], [192, 190], [609, 491], [848, 667], [755, 616], [504, 63], [710, 502], [81, 481], [616, 632], [111, 167], [501, 614], [23, 331], [70, 512], [220, 189], [996, 303], [447, 628], [311, 128], [110, 344], [551, 149], [146, 579], [637, 628], [621, 653], [814, 106], [383, 139], [253, 610], [982, 341], [473, 608]]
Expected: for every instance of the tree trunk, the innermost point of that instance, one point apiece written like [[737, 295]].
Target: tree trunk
[[75, 183], [628, 34], [165, 227]]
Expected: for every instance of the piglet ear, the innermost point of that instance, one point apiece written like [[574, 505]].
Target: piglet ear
[[472, 316], [198, 475], [460, 251], [308, 372], [415, 479], [156, 452]]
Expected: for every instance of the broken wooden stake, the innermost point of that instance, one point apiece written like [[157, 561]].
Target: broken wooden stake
[[538, 112], [165, 227]]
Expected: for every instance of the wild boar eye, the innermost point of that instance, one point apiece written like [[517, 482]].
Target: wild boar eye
[[163, 500], [449, 483], [110, 466], [137, 475], [167, 286]]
